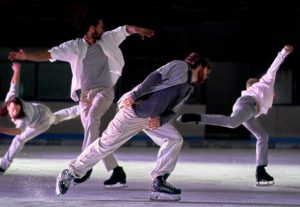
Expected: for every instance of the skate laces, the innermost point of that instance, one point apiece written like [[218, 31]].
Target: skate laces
[[165, 184], [67, 177]]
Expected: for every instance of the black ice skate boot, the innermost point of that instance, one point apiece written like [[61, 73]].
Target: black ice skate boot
[[84, 178], [2, 171], [189, 117], [262, 177], [117, 179], [164, 191]]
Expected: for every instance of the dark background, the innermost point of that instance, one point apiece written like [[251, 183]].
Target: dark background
[[224, 30], [241, 38]]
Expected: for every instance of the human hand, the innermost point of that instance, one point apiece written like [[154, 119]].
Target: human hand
[[289, 48], [16, 66], [20, 55], [145, 32], [153, 122], [127, 102]]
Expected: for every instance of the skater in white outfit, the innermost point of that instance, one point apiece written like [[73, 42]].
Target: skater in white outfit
[[96, 63], [256, 100], [149, 107], [30, 119]]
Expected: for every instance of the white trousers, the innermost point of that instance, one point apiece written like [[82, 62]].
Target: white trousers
[[47, 119], [93, 105], [124, 126]]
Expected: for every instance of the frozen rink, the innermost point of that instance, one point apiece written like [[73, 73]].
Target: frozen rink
[[207, 177]]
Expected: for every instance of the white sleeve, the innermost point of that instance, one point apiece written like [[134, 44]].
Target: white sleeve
[[13, 91], [117, 35], [64, 51], [270, 75]]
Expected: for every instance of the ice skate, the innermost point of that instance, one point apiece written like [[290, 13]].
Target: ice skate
[[117, 179], [158, 196], [2, 171], [263, 178], [64, 181], [189, 117], [164, 191], [84, 178]]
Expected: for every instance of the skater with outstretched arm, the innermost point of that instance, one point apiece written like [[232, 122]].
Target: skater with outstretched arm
[[256, 100], [96, 62], [30, 119]]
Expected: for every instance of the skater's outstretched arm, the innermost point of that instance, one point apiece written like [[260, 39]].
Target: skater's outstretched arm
[[16, 67], [33, 56], [270, 75], [10, 131], [13, 92], [15, 80]]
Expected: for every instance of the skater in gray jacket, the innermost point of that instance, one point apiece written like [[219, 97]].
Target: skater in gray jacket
[[149, 107]]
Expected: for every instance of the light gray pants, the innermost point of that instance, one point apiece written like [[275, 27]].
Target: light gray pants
[[243, 112], [93, 105], [47, 119], [124, 126]]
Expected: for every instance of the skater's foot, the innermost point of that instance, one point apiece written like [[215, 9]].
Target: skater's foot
[[84, 178], [164, 191], [189, 117], [117, 179], [64, 181], [262, 177], [2, 171]]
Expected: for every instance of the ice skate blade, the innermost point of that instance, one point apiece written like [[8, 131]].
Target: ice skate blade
[[265, 183], [57, 191], [158, 196], [118, 185]]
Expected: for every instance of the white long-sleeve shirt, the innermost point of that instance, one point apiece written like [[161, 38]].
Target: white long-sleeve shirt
[[74, 51], [263, 91]]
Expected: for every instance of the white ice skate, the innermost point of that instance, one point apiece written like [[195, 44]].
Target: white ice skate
[[158, 196], [164, 191]]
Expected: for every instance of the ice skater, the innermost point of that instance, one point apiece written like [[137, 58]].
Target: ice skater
[[30, 119], [149, 107], [96, 63], [256, 100]]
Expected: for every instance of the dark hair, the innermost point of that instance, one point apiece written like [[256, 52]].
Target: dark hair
[[87, 19], [15, 100], [250, 82], [195, 59]]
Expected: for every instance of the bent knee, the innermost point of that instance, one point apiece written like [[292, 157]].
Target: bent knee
[[232, 122], [234, 125], [19, 140], [263, 137], [177, 140]]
